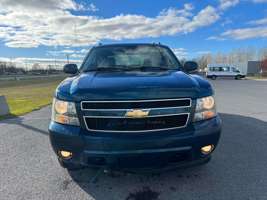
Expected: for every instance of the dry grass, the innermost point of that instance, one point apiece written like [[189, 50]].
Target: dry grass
[[27, 95]]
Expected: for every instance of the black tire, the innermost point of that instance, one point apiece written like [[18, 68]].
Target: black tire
[[213, 77], [238, 77], [69, 165]]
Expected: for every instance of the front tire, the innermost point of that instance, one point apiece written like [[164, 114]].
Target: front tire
[[238, 77], [213, 77]]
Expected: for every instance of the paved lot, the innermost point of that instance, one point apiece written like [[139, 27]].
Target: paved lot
[[29, 169]]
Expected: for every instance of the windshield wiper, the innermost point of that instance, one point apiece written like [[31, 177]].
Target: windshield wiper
[[130, 68], [108, 68], [144, 68]]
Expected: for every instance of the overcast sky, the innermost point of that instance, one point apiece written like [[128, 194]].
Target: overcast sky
[[54, 28]]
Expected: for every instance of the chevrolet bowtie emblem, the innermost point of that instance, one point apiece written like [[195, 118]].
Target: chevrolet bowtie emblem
[[137, 113]]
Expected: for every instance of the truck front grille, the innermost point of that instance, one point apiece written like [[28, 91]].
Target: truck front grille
[[121, 124], [111, 116]]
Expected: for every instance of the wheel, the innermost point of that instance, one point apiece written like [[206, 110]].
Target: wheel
[[69, 165], [237, 77], [213, 77]]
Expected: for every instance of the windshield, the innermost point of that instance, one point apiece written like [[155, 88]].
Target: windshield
[[130, 58]]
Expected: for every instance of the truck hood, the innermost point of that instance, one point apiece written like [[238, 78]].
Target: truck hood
[[132, 85]]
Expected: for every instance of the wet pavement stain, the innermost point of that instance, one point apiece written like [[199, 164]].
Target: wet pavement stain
[[65, 184], [144, 194]]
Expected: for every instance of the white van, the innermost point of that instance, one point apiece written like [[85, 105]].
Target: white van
[[214, 71]]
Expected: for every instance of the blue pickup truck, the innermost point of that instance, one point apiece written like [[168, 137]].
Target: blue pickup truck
[[133, 106]]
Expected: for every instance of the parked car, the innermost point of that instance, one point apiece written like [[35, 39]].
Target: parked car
[[133, 106], [215, 71]]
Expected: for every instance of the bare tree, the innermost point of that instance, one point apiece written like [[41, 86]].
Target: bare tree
[[203, 61]]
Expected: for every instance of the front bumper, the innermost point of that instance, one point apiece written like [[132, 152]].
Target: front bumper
[[177, 147]]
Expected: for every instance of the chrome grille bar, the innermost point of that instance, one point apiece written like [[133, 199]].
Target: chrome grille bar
[[135, 101]]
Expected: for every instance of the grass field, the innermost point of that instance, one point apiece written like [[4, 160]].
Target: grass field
[[27, 95]]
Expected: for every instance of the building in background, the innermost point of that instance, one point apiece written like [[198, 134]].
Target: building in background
[[253, 68]]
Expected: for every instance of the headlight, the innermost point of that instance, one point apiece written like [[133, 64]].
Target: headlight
[[205, 108], [64, 112]]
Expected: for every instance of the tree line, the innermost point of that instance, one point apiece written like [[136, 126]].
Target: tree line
[[9, 68]]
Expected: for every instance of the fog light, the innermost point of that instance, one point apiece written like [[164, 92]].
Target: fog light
[[65, 154], [207, 149]]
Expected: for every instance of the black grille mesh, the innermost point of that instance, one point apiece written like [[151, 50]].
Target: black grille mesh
[[136, 124]]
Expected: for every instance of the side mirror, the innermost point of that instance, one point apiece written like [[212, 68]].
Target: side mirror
[[190, 66], [70, 69]]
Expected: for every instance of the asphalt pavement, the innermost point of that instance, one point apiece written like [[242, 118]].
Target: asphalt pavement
[[238, 169]]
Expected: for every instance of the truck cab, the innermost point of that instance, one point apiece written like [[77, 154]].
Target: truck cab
[[133, 106]]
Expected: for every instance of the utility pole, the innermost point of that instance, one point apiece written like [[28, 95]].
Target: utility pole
[[75, 37], [55, 52], [26, 65], [68, 58]]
